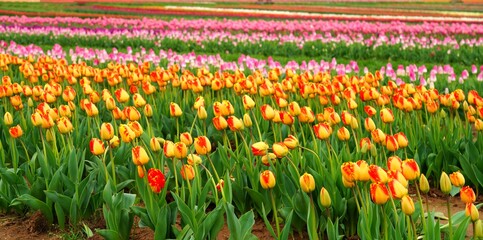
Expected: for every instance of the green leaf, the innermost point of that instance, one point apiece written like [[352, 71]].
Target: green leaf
[[36, 204], [186, 213], [60, 215], [460, 232], [267, 223], [287, 227], [109, 234], [64, 201], [233, 222]]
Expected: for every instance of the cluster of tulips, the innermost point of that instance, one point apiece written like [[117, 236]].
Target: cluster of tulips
[[238, 133]]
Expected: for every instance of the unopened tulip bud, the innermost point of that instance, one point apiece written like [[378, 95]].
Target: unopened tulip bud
[[96, 146], [168, 149], [140, 171], [8, 119], [279, 149], [64, 125], [478, 229], [259, 148], [247, 121], [457, 179], [472, 212], [386, 115], [139, 156], [402, 140], [175, 110], [202, 113], [379, 193], [269, 158], [343, 134], [325, 200], [307, 182], [235, 123], [180, 150], [407, 205], [394, 163], [442, 114], [267, 112], [423, 184], [378, 174], [267, 179], [445, 183], [193, 159], [248, 102], [410, 169], [369, 124], [186, 138], [148, 110], [391, 143], [373, 151], [397, 189], [291, 142], [220, 123], [114, 142], [202, 145], [187, 172], [154, 144], [107, 131]]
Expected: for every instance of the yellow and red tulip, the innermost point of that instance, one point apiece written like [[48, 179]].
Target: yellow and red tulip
[[267, 179], [307, 182], [202, 145]]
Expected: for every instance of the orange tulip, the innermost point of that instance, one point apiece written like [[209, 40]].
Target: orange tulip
[[187, 172], [267, 179], [136, 127], [397, 189], [386, 115], [107, 131], [286, 118], [291, 142], [202, 113], [457, 179], [377, 174], [259, 148], [131, 113], [467, 195], [370, 111], [64, 125], [407, 205], [139, 156], [126, 133], [472, 212], [220, 123], [307, 182], [294, 109], [154, 144], [138, 100], [343, 134], [369, 124], [267, 112], [200, 101], [322, 131], [379, 193], [235, 124], [391, 143], [16, 131], [410, 169], [91, 109], [193, 159], [175, 110], [202, 145], [348, 170], [306, 115], [156, 180], [394, 163], [268, 159], [122, 95], [96, 146], [180, 150], [186, 138], [47, 121], [279, 149], [140, 171]]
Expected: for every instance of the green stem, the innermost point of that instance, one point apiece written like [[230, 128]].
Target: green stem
[[414, 228], [450, 223], [275, 214], [422, 208], [258, 126]]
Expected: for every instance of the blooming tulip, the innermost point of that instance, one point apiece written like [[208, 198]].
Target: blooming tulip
[[467, 195], [397, 189], [377, 174], [394, 163], [156, 180], [410, 169], [457, 179], [16, 131]]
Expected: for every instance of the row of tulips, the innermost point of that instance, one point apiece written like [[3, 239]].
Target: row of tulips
[[201, 144], [440, 76]]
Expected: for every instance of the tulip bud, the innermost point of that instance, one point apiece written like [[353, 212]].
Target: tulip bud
[[386, 115], [202, 113], [467, 195], [325, 200], [269, 158], [91, 109], [379, 193], [267, 112], [457, 179], [175, 110], [148, 110], [348, 184], [423, 184], [220, 123], [442, 114], [114, 142], [139, 156], [96, 146], [362, 171], [267, 179], [193, 159], [369, 124], [294, 108], [187, 172], [248, 102], [343, 134], [140, 171], [247, 121], [478, 229], [307, 182], [279, 149], [168, 149], [377, 174], [154, 144], [348, 171], [220, 185], [291, 142], [259, 148], [126, 133], [202, 145], [445, 183], [186, 138], [107, 131], [472, 212], [402, 140], [322, 131], [235, 123], [138, 100], [8, 119], [136, 127], [397, 189], [391, 143], [180, 150], [394, 163], [410, 169], [122, 95], [16, 131], [64, 125], [407, 205]]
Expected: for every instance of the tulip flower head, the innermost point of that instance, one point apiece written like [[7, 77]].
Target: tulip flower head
[[15, 132], [307, 182], [457, 179], [325, 200], [410, 169], [187, 172], [407, 205], [472, 212], [259, 148], [467, 195], [96, 146], [156, 180], [379, 193], [267, 179], [445, 183], [175, 110], [377, 174], [139, 156], [202, 145]]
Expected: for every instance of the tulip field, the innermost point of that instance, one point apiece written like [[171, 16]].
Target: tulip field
[[315, 128]]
